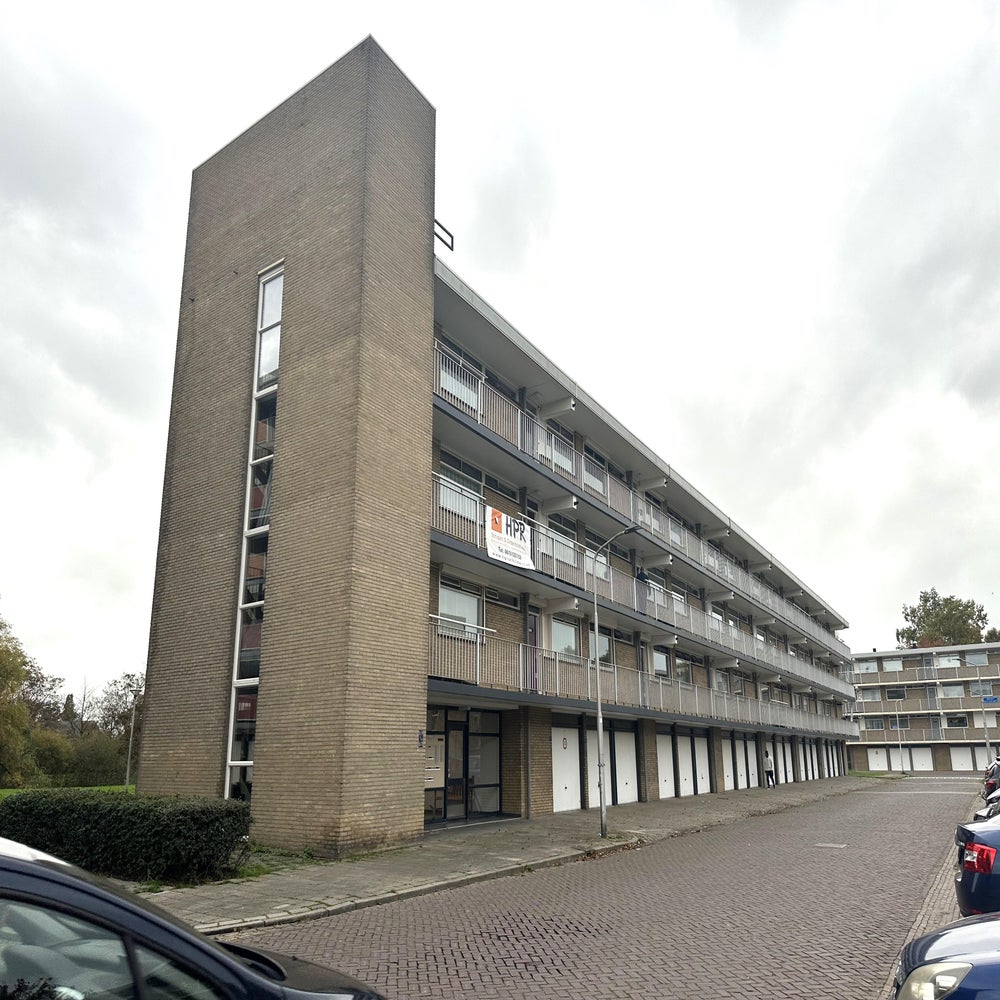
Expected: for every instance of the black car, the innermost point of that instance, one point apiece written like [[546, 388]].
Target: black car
[[66, 935]]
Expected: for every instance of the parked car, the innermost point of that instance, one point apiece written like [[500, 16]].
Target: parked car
[[69, 935], [960, 961], [977, 882]]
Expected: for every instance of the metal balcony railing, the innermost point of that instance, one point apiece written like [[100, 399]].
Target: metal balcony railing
[[465, 388], [458, 654], [460, 514]]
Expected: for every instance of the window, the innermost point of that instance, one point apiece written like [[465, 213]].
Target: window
[[566, 636], [738, 683], [721, 681], [952, 691], [949, 660], [461, 487], [977, 659], [685, 668], [251, 626], [605, 645], [980, 689], [956, 721], [459, 602], [269, 327], [563, 528], [874, 724], [661, 662], [899, 722], [889, 666], [870, 694], [255, 573], [866, 666], [895, 694]]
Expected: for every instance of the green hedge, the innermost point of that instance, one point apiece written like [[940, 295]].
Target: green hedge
[[132, 837]]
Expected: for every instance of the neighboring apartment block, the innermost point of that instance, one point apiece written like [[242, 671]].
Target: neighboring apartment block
[[389, 524], [928, 709]]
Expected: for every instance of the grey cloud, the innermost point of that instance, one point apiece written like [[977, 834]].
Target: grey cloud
[[79, 316], [921, 248], [513, 205]]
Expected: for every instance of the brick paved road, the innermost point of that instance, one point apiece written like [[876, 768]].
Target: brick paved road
[[812, 902]]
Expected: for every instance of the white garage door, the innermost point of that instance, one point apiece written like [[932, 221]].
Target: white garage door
[[626, 776], [877, 759], [785, 762], [565, 769], [741, 762], [727, 765], [923, 759], [665, 765], [701, 762], [961, 759], [685, 765], [752, 749]]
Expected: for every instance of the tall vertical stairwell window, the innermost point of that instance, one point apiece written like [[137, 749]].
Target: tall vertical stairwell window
[[247, 661], [269, 328]]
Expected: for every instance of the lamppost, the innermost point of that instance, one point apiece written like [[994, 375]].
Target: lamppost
[[597, 668], [131, 732]]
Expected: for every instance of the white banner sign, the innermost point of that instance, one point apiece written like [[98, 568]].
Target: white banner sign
[[508, 539]]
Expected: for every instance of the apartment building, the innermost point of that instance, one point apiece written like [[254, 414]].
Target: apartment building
[[928, 709], [394, 534]]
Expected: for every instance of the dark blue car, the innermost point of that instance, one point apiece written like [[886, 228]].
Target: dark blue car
[[65, 935], [960, 962], [977, 883]]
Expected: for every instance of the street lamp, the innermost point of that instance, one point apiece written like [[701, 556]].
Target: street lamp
[[597, 667], [131, 732]]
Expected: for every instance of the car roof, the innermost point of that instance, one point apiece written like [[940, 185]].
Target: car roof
[[974, 936], [22, 852]]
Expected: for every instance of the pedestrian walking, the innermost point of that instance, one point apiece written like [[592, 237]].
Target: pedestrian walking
[[769, 770]]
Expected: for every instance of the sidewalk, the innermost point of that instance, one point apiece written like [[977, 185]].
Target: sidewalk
[[462, 854]]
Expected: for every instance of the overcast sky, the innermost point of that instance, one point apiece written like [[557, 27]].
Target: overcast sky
[[774, 224]]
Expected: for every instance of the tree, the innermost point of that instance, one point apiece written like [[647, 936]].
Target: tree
[[992, 635], [14, 718], [113, 710], [40, 694], [941, 621]]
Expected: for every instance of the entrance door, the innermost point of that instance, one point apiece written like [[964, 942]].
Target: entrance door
[[456, 772]]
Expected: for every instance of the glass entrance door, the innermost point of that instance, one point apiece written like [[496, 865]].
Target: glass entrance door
[[456, 771]]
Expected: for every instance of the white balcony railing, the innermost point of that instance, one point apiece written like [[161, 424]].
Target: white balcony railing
[[556, 556], [465, 388], [516, 667]]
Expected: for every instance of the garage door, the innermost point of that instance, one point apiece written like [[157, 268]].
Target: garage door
[[701, 762], [785, 762], [753, 779], [923, 759], [741, 762], [565, 769], [961, 759], [626, 775], [877, 759], [685, 765], [665, 765], [727, 764]]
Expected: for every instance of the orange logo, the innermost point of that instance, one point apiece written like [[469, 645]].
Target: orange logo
[[496, 520]]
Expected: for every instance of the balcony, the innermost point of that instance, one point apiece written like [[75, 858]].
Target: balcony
[[460, 514], [925, 735], [465, 389], [923, 706], [926, 675], [458, 655]]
